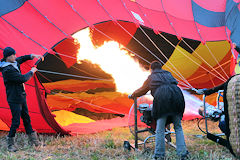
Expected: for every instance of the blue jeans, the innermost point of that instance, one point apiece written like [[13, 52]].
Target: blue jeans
[[160, 136], [19, 110]]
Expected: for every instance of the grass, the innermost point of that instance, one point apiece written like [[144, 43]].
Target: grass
[[109, 145]]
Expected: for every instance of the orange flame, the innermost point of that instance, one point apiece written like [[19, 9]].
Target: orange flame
[[114, 60]]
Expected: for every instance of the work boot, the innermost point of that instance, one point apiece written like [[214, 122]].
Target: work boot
[[10, 144], [33, 139], [186, 156]]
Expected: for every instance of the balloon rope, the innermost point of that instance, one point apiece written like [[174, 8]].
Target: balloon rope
[[202, 59], [47, 19], [182, 40], [137, 40], [216, 60], [164, 38], [228, 38], [36, 42], [115, 112], [193, 60], [226, 20], [171, 24], [177, 34], [207, 73], [203, 41], [96, 76], [182, 77], [72, 75], [110, 37], [94, 105], [65, 35], [74, 66], [74, 98], [24, 33], [91, 26]]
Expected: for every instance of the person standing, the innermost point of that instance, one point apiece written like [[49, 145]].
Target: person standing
[[168, 106], [224, 123], [16, 95]]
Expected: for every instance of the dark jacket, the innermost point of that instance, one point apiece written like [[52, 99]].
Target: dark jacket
[[220, 87], [13, 79], [168, 97]]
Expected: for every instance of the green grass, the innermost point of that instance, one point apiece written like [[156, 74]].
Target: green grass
[[108, 145]]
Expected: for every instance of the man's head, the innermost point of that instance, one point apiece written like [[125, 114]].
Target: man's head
[[9, 54], [236, 47], [155, 65]]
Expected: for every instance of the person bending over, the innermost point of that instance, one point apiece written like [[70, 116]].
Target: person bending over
[[168, 106]]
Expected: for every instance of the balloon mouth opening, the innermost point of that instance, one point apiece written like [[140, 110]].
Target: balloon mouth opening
[[74, 100]]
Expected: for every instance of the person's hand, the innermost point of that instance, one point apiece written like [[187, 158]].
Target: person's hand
[[200, 91], [130, 96], [38, 56], [234, 45], [34, 69]]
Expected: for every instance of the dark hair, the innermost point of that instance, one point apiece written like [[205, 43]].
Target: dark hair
[[156, 65]]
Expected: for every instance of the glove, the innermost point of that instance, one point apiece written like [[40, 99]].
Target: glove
[[200, 91]]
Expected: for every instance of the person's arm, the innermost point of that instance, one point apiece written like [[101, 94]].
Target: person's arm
[[23, 59], [215, 89], [17, 77], [142, 90]]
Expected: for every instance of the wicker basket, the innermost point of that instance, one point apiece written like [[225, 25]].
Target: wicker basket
[[233, 98]]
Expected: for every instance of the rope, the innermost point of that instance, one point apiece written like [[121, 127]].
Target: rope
[[202, 59], [47, 19], [36, 42], [88, 103], [216, 60], [83, 101], [171, 24], [184, 79], [107, 35], [226, 19], [177, 34], [47, 50], [202, 38], [207, 73], [135, 38], [24, 34], [71, 75], [74, 66], [193, 60], [211, 80], [168, 41], [155, 43], [91, 26], [53, 24]]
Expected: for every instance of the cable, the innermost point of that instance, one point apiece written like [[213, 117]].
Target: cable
[[198, 124]]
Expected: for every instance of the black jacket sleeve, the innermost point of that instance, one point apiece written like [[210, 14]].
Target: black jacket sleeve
[[23, 59], [142, 90], [215, 89], [17, 77]]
